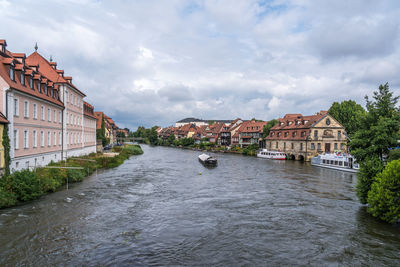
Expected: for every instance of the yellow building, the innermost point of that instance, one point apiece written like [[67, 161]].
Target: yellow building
[[302, 137]]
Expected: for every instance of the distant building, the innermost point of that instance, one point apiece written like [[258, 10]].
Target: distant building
[[250, 132], [303, 137], [199, 122]]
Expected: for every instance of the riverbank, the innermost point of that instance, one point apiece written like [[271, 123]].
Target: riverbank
[[27, 185]]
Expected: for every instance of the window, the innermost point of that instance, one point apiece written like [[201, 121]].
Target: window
[[319, 146], [26, 109], [341, 146], [48, 139], [293, 134], [339, 135], [55, 116], [55, 139], [335, 146], [286, 134], [292, 145], [45, 88], [59, 138], [22, 77], [16, 145], [16, 107], [34, 138], [315, 133], [42, 139], [31, 82], [67, 139], [39, 85], [35, 111], [276, 145], [301, 146], [312, 146], [70, 119], [26, 139], [284, 145], [59, 116], [303, 134], [12, 73], [42, 112], [49, 114], [66, 96]]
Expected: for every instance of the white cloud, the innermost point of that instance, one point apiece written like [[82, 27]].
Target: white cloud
[[155, 62]]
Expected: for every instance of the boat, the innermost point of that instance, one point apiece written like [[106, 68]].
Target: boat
[[337, 161], [269, 154], [207, 160]]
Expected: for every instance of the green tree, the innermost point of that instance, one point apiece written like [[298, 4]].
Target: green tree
[[171, 138], [384, 196], [378, 131], [268, 127], [6, 145], [349, 114]]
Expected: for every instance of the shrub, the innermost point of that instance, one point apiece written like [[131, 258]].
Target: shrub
[[25, 185], [7, 198], [394, 154], [384, 196], [75, 175], [365, 177]]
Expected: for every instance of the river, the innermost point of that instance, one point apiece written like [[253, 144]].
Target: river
[[165, 208]]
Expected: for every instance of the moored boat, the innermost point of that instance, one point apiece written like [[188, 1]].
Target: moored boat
[[337, 161], [267, 154], [207, 160]]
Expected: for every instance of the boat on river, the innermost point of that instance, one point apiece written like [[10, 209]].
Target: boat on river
[[207, 160], [337, 161], [269, 154]]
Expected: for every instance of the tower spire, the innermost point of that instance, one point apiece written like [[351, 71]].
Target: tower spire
[[36, 47], [51, 58]]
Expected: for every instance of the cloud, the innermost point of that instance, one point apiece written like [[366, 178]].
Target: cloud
[[155, 62]]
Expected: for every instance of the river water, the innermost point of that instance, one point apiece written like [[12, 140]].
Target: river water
[[165, 208]]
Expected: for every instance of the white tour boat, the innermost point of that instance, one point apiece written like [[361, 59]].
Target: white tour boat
[[337, 161], [267, 154]]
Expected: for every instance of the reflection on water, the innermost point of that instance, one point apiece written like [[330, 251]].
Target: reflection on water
[[165, 208]]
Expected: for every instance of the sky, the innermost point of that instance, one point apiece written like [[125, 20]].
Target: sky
[[154, 62]]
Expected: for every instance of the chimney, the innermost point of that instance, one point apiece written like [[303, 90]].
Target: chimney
[[3, 45], [69, 79], [54, 65]]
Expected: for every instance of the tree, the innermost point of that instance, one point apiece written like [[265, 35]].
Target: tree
[[171, 138], [384, 196], [378, 131], [349, 114], [268, 127]]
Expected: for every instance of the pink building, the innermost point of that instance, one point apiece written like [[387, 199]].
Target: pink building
[[48, 120]]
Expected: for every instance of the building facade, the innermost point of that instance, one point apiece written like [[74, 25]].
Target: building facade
[[33, 98], [303, 137]]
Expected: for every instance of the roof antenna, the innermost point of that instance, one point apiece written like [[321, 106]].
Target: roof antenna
[[36, 47], [51, 58]]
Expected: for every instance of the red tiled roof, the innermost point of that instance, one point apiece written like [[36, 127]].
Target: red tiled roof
[[45, 67], [252, 127], [4, 62], [294, 127]]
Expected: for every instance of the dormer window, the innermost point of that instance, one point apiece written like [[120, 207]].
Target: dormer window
[[45, 89], [51, 92], [293, 134], [12, 73], [31, 81], [39, 86], [22, 77]]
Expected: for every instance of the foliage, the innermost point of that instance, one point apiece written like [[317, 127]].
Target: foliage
[[183, 142], [268, 127], [250, 150], [27, 185], [349, 114], [171, 138], [6, 145], [149, 135], [394, 154], [101, 133], [379, 127], [378, 131], [369, 168], [384, 196]]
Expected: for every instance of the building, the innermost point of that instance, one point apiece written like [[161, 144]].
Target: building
[[199, 122], [44, 110], [303, 137], [225, 135], [73, 112], [250, 132], [89, 127], [3, 123]]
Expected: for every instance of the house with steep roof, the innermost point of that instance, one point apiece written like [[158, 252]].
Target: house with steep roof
[[303, 137], [250, 132], [225, 135]]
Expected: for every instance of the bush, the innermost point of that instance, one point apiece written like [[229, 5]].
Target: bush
[[25, 185], [365, 177], [384, 196], [7, 198]]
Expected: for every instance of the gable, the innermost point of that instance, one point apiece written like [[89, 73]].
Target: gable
[[327, 122]]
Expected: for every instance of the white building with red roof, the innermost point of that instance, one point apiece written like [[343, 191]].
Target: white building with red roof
[[44, 109]]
